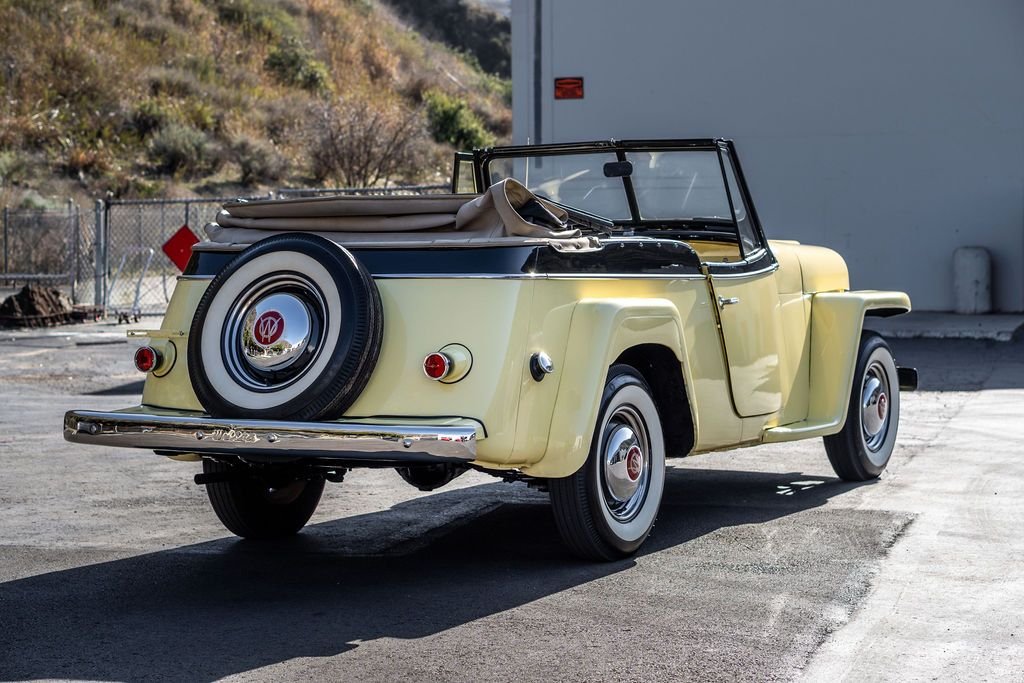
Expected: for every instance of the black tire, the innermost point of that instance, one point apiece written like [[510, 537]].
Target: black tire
[[594, 523], [251, 508], [862, 449], [341, 312]]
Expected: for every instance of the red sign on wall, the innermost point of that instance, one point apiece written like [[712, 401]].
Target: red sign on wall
[[569, 88], [179, 247]]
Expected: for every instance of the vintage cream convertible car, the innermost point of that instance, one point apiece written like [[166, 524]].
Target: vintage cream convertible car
[[571, 315]]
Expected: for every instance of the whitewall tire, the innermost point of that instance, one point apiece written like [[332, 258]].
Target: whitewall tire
[[290, 329], [606, 510]]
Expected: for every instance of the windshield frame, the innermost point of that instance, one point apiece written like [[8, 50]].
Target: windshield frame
[[483, 157]]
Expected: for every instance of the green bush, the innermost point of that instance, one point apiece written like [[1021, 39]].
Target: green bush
[[293, 64], [151, 26], [124, 185], [501, 87], [204, 67], [264, 18], [13, 168], [31, 199], [259, 161], [180, 149], [149, 116], [174, 83], [451, 120], [201, 115]]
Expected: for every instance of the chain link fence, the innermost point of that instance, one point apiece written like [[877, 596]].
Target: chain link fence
[[111, 254], [136, 278]]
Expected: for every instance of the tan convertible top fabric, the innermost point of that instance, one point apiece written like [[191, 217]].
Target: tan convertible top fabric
[[429, 220], [312, 207]]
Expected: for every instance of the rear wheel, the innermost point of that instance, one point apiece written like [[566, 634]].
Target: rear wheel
[[607, 508], [261, 508], [290, 329], [430, 477], [862, 449]]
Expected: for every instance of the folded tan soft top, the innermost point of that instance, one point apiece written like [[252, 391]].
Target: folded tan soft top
[[338, 206], [390, 221]]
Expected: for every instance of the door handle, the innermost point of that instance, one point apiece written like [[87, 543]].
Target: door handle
[[723, 301]]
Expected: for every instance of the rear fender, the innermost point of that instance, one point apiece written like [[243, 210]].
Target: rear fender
[[601, 329], [174, 390]]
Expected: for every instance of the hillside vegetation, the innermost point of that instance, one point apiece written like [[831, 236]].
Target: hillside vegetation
[[146, 98], [477, 31]]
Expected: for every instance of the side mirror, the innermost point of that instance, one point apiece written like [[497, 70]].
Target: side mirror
[[618, 169]]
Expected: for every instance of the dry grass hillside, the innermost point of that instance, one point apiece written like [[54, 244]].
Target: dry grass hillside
[[148, 98]]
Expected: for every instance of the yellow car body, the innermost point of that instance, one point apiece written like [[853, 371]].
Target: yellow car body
[[572, 350], [797, 328]]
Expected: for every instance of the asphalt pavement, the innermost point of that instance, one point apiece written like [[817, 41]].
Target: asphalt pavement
[[762, 566]]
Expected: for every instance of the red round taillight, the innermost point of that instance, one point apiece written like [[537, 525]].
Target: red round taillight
[[437, 365], [146, 359]]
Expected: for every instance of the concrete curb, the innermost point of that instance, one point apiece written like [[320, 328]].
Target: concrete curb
[[929, 325]]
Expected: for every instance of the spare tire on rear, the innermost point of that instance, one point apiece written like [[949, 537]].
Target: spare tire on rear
[[290, 329]]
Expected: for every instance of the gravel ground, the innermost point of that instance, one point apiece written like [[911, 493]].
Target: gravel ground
[[762, 566]]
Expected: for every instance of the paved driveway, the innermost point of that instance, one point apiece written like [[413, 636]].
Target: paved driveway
[[762, 564]]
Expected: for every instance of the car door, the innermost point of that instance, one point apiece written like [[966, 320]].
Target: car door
[[749, 314]]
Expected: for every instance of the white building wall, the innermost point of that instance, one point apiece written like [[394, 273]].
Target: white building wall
[[889, 130]]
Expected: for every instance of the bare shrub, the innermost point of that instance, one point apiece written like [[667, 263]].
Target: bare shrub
[[362, 144], [80, 161], [277, 118]]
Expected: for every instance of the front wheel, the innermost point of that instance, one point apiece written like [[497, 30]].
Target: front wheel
[[862, 449], [607, 508], [259, 508]]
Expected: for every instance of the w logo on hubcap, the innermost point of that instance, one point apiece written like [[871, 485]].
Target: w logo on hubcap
[[268, 328]]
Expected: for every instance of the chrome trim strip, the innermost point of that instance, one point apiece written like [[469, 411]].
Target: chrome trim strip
[[518, 276], [280, 440], [730, 276], [620, 276], [158, 334], [529, 276], [219, 246], [456, 276]]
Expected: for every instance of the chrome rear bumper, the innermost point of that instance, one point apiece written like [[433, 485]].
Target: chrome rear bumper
[[174, 432]]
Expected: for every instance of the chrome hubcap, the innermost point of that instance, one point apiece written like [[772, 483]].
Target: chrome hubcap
[[274, 331], [874, 406], [625, 464]]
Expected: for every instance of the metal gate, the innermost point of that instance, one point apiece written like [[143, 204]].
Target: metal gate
[[134, 277], [46, 246]]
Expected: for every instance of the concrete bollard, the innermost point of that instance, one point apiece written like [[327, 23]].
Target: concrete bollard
[[972, 280]]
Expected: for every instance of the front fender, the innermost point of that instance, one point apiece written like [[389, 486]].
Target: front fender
[[600, 330], [837, 319]]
